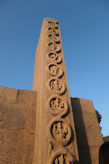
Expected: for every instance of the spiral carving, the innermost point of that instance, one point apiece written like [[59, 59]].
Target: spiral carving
[[57, 86], [57, 106], [61, 157], [59, 131], [54, 57], [55, 70], [54, 47]]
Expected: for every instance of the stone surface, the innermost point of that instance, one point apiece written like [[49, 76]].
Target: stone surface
[[17, 125], [89, 137]]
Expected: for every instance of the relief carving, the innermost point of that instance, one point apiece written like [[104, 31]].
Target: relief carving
[[50, 147], [57, 86], [50, 22], [53, 30], [53, 47], [60, 131], [55, 70], [57, 105], [54, 57], [61, 157], [54, 24], [54, 38]]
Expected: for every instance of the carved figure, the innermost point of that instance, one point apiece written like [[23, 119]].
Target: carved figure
[[53, 30], [57, 86], [54, 38], [55, 70], [54, 47], [62, 157], [57, 105], [60, 131], [53, 23], [54, 57]]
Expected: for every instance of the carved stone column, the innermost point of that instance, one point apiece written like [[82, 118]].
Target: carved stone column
[[55, 140]]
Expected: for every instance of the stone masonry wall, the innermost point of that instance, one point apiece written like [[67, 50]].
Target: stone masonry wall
[[17, 125]]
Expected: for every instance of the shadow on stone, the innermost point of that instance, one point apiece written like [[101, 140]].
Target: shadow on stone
[[82, 141], [104, 153]]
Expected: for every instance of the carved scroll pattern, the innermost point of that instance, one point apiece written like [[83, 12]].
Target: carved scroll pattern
[[59, 131]]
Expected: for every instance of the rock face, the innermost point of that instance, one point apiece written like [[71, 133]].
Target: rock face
[[42, 126]]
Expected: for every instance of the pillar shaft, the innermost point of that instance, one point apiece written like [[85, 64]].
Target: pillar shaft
[[55, 140]]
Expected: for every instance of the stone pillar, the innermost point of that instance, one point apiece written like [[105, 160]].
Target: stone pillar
[[55, 140], [89, 137]]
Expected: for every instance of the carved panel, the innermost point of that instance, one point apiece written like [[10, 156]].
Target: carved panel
[[61, 157], [54, 38], [57, 105], [53, 23], [54, 57], [54, 47], [53, 30], [57, 86], [60, 131], [55, 70]]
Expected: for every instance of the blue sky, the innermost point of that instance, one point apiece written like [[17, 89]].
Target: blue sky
[[85, 37]]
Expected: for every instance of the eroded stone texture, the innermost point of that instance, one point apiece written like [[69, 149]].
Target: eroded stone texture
[[89, 137], [17, 125]]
